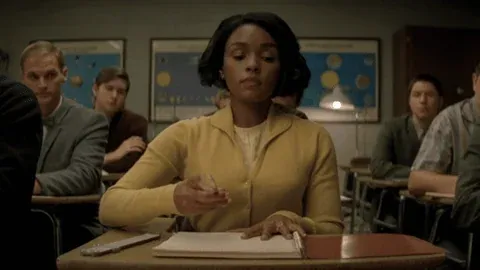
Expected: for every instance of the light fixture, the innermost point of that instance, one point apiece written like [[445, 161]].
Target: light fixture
[[336, 100]]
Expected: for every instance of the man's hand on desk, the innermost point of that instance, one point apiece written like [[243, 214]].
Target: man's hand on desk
[[276, 224], [37, 189], [194, 196], [132, 144]]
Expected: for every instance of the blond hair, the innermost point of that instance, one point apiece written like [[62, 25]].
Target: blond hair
[[42, 47]]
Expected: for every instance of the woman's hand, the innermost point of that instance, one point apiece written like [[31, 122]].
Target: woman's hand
[[276, 224], [194, 196]]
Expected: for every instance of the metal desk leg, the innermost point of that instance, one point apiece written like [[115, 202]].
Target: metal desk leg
[[426, 225], [401, 213], [469, 251], [57, 234], [353, 212], [363, 199]]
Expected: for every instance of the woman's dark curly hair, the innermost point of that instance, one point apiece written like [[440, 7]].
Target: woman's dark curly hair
[[294, 72]]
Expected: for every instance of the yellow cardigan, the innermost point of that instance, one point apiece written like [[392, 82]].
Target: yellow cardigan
[[295, 175]]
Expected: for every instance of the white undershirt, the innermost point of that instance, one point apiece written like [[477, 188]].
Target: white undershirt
[[250, 140]]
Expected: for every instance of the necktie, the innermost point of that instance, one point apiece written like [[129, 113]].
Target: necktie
[[48, 121]]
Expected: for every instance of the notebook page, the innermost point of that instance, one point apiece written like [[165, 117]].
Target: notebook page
[[225, 243]]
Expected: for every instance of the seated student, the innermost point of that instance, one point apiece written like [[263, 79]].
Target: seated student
[[274, 173], [20, 144], [74, 142], [466, 210], [128, 131], [291, 103], [399, 140], [397, 145], [436, 166]]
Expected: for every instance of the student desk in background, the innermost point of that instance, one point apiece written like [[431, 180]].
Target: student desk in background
[[385, 185], [111, 178], [428, 200], [433, 198], [39, 203], [363, 251], [353, 173]]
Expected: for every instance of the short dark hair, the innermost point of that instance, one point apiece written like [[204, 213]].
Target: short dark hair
[[294, 72], [477, 68], [110, 73], [426, 78], [298, 97]]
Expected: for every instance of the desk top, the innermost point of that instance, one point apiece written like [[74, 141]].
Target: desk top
[[431, 197], [358, 170], [51, 200], [367, 251], [384, 183], [112, 177]]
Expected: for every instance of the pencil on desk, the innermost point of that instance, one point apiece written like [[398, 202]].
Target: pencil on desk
[[299, 243], [214, 183]]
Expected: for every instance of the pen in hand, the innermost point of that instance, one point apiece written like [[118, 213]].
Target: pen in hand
[[215, 191], [218, 191], [299, 243]]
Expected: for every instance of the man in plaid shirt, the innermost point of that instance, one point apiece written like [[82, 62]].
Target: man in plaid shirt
[[436, 166]]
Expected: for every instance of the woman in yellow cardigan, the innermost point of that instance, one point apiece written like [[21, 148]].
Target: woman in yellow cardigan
[[271, 172]]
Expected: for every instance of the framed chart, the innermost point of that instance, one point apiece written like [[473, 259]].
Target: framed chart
[[175, 91], [84, 60], [345, 82]]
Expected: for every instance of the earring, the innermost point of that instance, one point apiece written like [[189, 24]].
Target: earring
[[221, 75]]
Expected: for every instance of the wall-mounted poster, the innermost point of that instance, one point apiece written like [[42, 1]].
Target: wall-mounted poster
[[84, 60], [175, 91], [345, 81]]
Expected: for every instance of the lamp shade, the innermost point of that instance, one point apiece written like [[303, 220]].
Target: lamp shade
[[336, 100]]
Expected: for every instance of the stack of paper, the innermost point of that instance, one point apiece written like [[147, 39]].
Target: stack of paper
[[226, 245]]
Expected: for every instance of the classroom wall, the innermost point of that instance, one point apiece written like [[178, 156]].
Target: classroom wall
[[140, 20]]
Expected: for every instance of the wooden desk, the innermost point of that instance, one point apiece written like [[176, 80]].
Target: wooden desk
[[39, 203], [431, 197], [357, 170], [51, 200], [112, 177], [367, 251], [379, 183]]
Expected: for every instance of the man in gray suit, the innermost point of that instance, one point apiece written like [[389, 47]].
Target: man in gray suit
[[74, 142]]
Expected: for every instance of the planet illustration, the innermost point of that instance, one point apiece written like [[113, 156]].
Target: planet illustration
[[329, 79], [76, 81], [334, 61], [362, 82], [161, 97], [164, 79]]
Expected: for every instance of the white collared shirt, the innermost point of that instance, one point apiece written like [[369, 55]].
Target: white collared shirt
[[45, 129]]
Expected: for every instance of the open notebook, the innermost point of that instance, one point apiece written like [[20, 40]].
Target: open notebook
[[226, 245]]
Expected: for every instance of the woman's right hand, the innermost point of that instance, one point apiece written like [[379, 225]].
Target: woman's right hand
[[194, 196]]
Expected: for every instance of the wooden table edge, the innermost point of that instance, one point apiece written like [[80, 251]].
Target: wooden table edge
[[383, 183], [52, 200], [425, 260]]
